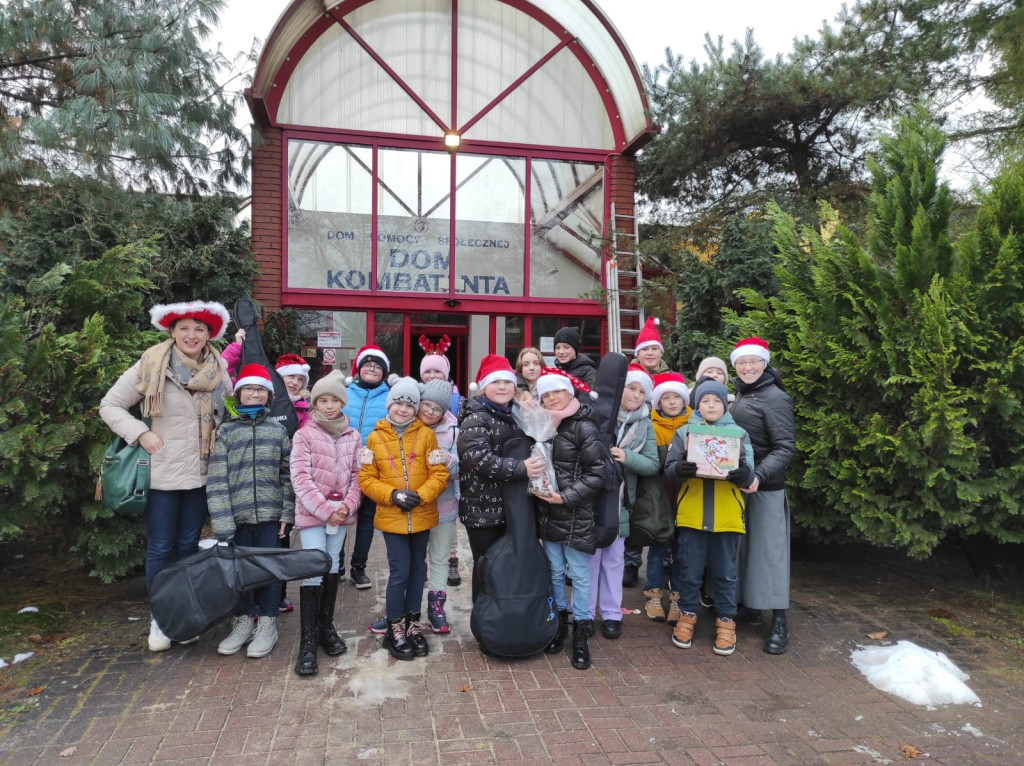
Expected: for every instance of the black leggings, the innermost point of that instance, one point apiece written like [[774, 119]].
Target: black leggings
[[480, 541]]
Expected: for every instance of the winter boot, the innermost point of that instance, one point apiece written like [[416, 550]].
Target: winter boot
[[580, 648], [326, 635], [243, 627], [309, 605], [435, 611], [725, 637], [264, 639], [673, 608], [655, 611], [778, 636], [454, 578], [558, 641], [359, 578], [414, 634], [630, 575], [158, 642], [395, 641], [682, 633]]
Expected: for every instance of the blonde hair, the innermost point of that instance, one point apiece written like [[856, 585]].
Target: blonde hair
[[524, 352]]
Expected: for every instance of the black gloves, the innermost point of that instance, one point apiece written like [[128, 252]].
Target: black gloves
[[741, 476], [683, 470], [405, 499]]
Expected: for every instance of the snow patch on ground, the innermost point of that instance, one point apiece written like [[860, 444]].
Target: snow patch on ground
[[920, 676], [874, 754], [28, 609], [972, 730]]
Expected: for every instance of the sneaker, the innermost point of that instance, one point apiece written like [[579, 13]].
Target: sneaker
[[158, 642], [725, 637], [242, 629], [630, 575], [673, 608], [655, 611], [286, 605], [359, 578], [379, 627], [682, 633], [454, 578], [264, 639], [706, 601]]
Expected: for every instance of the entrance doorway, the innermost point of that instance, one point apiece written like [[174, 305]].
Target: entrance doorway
[[449, 338]]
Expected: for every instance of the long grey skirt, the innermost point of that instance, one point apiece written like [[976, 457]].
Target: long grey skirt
[[764, 552]]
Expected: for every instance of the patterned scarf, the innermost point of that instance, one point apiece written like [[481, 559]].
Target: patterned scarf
[[203, 379], [628, 435], [333, 427]]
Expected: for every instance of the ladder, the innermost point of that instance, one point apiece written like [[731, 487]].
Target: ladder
[[624, 280]]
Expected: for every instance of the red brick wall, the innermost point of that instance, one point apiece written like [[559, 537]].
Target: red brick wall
[[267, 212]]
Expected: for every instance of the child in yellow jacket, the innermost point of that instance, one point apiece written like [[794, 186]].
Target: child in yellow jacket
[[397, 477]]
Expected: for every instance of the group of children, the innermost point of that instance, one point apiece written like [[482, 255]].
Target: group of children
[[421, 467]]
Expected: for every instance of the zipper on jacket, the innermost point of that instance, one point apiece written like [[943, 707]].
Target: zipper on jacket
[[405, 474], [255, 494]]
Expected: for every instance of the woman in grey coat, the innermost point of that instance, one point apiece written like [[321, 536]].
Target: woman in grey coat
[[765, 411]]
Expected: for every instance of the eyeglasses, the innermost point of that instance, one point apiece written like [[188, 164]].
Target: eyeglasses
[[431, 409], [372, 366], [745, 364], [253, 390]]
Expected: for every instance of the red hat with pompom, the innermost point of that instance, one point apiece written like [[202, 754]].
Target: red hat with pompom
[[254, 375], [554, 379], [751, 347], [670, 382], [649, 335], [492, 368], [292, 364]]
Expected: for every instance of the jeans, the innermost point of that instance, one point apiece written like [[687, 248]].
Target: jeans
[[559, 556], [174, 520], [316, 538], [364, 533], [656, 556], [480, 541], [265, 601], [438, 551], [719, 552], [407, 561], [606, 567]]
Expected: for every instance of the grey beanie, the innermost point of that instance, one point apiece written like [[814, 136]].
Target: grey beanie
[[333, 383], [404, 390], [711, 386], [437, 391]]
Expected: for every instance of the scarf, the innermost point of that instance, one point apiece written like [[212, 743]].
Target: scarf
[[203, 379], [333, 427], [568, 411], [252, 411], [628, 435], [400, 428], [500, 411], [665, 427]]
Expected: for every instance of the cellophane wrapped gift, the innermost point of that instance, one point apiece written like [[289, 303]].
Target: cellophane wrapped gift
[[541, 426]]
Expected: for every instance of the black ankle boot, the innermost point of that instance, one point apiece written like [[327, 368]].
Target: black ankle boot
[[580, 648], [559, 639], [415, 635], [309, 601], [778, 636], [395, 641], [327, 636]]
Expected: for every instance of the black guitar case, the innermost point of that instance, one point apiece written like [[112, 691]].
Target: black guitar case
[[611, 379], [281, 408], [514, 613]]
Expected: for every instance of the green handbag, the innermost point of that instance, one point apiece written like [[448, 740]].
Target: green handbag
[[124, 482]]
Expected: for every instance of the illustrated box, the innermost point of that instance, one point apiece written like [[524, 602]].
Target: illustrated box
[[715, 449]]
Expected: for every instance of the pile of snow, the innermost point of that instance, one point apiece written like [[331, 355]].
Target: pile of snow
[[17, 658], [919, 676]]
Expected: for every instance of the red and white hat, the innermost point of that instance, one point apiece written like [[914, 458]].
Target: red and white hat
[[649, 335], [670, 382], [210, 313], [636, 373], [554, 379], [492, 368], [292, 364], [254, 375], [365, 354], [750, 347]]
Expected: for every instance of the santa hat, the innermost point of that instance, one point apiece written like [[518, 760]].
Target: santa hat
[[750, 347], [210, 313], [492, 368], [648, 335], [635, 373], [554, 379], [366, 354], [669, 382], [254, 375], [437, 362], [292, 364]]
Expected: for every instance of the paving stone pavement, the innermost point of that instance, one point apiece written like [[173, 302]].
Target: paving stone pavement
[[644, 701]]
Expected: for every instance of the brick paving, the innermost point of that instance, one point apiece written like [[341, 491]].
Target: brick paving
[[644, 701]]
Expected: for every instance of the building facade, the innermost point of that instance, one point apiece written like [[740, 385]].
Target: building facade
[[443, 174]]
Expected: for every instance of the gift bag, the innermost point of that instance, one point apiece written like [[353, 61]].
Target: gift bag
[[541, 426]]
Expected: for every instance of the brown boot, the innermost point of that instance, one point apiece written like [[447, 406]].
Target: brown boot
[[725, 636], [655, 611], [673, 608], [682, 633]]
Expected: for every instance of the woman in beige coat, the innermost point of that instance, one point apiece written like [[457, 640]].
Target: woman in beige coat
[[181, 384]]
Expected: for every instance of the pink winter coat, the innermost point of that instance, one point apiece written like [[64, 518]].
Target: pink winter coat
[[321, 465]]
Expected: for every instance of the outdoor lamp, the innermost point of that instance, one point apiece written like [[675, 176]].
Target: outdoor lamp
[[452, 140]]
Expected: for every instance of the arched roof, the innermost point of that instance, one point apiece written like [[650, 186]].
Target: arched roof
[[520, 72]]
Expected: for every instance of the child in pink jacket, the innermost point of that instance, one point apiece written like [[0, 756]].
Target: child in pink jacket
[[325, 471]]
